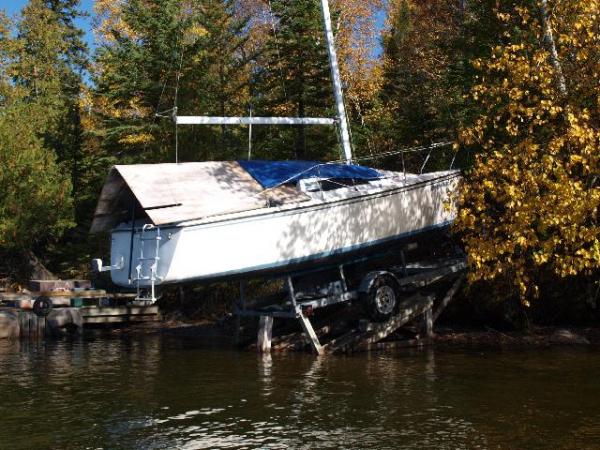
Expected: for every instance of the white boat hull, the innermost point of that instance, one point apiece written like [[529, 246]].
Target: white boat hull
[[282, 237]]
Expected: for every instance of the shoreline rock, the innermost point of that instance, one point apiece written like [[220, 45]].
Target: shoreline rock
[[567, 337]]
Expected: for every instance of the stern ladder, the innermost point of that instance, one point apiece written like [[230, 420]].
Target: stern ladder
[[148, 260]]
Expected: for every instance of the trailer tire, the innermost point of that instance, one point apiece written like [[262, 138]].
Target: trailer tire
[[42, 306], [381, 298]]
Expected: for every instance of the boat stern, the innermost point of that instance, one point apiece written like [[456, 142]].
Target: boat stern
[[139, 258]]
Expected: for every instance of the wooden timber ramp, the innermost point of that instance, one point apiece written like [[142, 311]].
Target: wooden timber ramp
[[368, 335], [344, 329]]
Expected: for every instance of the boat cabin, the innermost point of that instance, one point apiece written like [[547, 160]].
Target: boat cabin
[[170, 193]]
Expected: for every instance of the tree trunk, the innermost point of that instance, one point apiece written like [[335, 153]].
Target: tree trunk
[[551, 46]]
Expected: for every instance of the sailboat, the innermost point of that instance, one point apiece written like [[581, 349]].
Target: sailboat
[[202, 221]]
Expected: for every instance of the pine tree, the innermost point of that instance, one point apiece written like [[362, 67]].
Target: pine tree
[[170, 52], [67, 11], [48, 64], [293, 79], [415, 93], [75, 56], [218, 84]]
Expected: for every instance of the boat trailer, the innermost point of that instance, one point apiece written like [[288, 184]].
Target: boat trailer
[[391, 295]]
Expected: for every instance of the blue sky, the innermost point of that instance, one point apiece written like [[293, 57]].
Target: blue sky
[[13, 7]]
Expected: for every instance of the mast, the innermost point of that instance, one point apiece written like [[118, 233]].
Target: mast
[[337, 82]]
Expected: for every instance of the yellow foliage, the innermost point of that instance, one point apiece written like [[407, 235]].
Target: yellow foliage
[[530, 204], [138, 138], [109, 19]]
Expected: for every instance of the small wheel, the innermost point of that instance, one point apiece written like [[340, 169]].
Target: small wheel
[[381, 300], [42, 306]]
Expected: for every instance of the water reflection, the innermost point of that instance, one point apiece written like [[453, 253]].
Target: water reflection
[[153, 392], [265, 366]]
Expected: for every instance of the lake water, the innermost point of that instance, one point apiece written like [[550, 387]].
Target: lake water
[[161, 392]]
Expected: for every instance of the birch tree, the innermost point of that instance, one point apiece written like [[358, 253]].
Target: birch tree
[[529, 206]]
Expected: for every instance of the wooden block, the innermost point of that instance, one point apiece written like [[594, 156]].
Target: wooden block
[[119, 319], [93, 311], [428, 323], [265, 331], [119, 314]]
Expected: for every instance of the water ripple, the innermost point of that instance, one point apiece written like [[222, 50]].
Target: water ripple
[[154, 393]]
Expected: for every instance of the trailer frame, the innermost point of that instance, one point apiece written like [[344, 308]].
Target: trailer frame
[[301, 304]]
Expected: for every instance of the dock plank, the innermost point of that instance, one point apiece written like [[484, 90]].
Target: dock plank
[[119, 314]]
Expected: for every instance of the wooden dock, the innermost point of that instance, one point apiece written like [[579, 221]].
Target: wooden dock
[[58, 307], [119, 314], [26, 324]]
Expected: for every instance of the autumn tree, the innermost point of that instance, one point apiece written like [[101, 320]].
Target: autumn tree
[[528, 209]]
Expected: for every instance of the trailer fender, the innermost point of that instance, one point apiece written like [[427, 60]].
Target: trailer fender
[[368, 280]]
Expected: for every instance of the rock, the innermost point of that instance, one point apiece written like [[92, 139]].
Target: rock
[[567, 337], [9, 325], [60, 319]]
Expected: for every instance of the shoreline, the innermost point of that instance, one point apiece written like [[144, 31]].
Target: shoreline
[[212, 332]]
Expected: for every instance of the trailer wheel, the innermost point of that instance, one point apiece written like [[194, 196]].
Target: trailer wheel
[[42, 306], [381, 300]]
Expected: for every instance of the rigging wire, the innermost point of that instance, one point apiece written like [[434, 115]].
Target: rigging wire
[[170, 110], [398, 152], [156, 112], [453, 159], [403, 166], [426, 159], [317, 166], [274, 28]]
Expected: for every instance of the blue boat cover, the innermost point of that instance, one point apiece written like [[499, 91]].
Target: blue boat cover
[[274, 173]]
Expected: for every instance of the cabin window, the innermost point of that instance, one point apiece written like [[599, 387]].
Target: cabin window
[[317, 185]]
